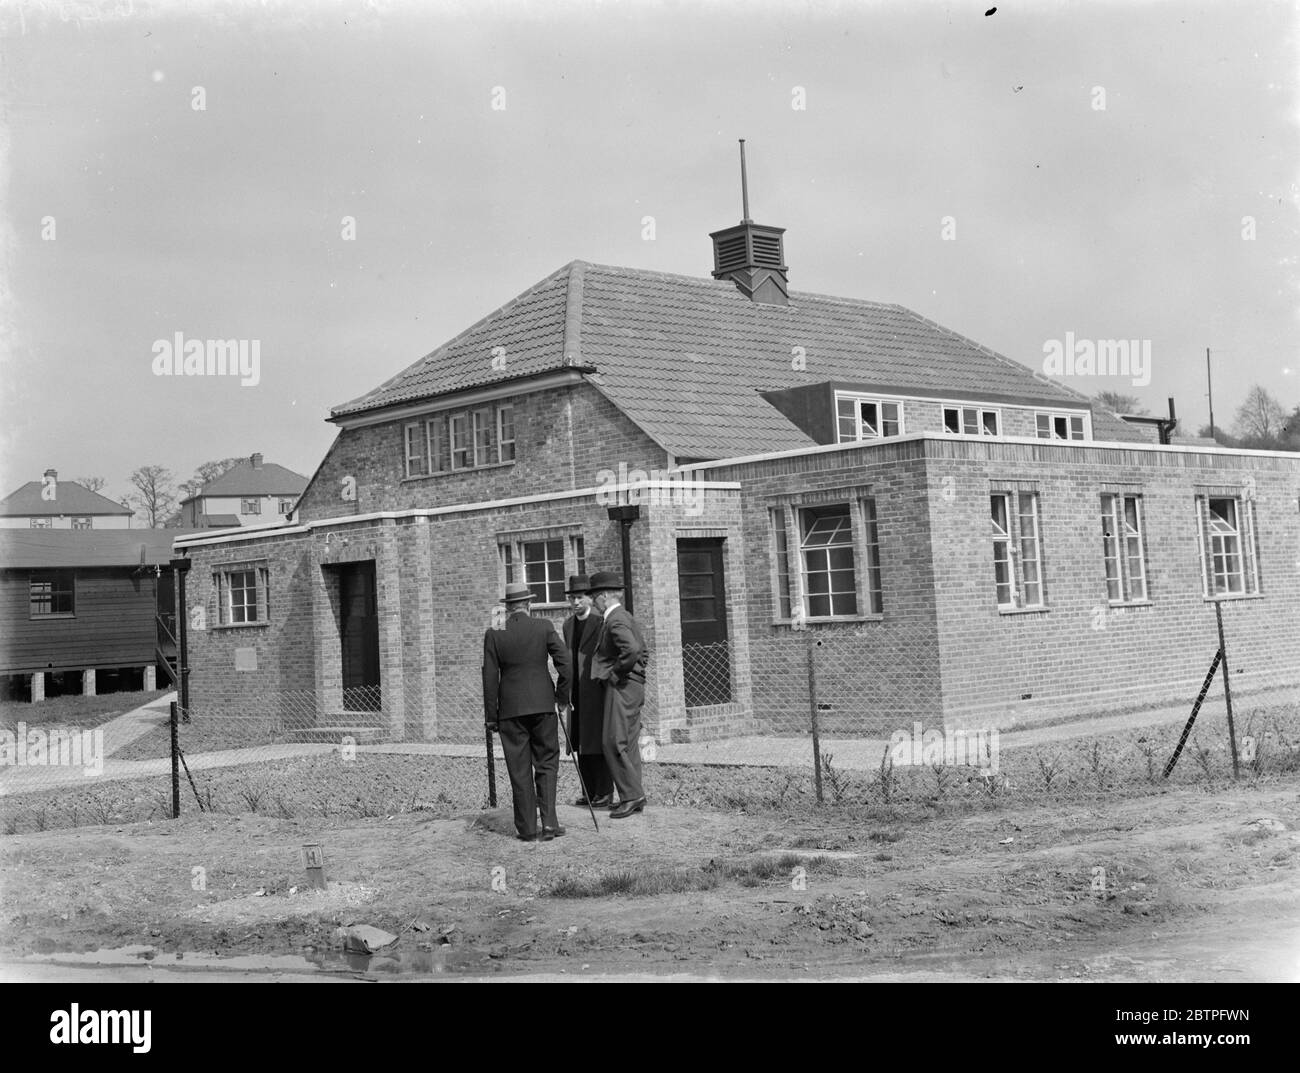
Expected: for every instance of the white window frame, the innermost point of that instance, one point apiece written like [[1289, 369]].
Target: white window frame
[[416, 444], [981, 412], [83, 521], [502, 441], [461, 419], [857, 401], [789, 573], [1085, 425], [1022, 540], [1118, 547], [255, 508], [1247, 552], [224, 592], [512, 551], [483, 436]]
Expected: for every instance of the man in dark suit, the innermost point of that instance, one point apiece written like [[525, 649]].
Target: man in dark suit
[[620, 660], [587, 698], [520, 702]]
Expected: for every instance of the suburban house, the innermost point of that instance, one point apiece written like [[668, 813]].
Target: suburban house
[[251, 493], [85, 612], [53, 504], [963, 540]]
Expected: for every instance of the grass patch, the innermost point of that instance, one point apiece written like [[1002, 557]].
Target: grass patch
[[679, 879], [75, 711]]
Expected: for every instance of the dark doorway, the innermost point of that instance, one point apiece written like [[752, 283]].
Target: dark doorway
[[359, 634], [702, 591]]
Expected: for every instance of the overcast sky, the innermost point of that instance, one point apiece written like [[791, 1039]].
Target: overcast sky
[[227, 222]]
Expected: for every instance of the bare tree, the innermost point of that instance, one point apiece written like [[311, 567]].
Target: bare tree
[[155, 494], [1260, 418], [1120, 404], [93, 484], [208, 471]]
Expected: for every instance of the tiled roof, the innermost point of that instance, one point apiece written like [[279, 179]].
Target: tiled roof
[[268, 479], [46, 548], [685, 358], [220, 521], [70, 498]]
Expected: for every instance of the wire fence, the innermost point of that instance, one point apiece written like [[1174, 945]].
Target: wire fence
[[814, 735]]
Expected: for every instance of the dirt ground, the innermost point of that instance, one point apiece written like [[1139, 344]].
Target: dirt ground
[[1182, 885]]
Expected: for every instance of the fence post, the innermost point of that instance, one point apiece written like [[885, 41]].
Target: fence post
[[1227, 686], [176, 767], [812, 716]]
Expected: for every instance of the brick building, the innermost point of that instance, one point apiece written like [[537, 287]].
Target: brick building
[[969, 541]]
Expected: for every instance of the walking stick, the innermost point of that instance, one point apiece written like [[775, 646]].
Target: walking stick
[[576, 766]]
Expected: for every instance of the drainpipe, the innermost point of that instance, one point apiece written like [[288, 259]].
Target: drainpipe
[[625, 516], [181, 567]]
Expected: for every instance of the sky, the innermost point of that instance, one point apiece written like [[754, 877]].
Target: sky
[[1110, 171]]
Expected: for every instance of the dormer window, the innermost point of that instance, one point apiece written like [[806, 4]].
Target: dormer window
[[971, 421], [860, 417], [1060, 426]]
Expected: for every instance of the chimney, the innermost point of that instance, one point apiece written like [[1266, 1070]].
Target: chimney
[[54, 473], [256, 461], [752, 255]]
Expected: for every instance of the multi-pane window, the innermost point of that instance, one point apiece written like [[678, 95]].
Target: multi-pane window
[[42, 523], [542, 564], [1122, 548], [485, 445], [241, 595], [859, 418], [782, 549], [250, 506], [1017, 549], [81, 523], [1228, 552], [970, 421], [52, 592], [286, 505], [826, 551], [544, 570], [462, 446], [837, 572], [1052, 426], [416, 451], [506, 434], [464, 440]]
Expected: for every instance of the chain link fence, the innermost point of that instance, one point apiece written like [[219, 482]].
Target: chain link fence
[[806, 729]]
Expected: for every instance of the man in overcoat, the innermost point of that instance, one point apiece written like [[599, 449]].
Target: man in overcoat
[[587, 697], [520, 702], [620, 660]]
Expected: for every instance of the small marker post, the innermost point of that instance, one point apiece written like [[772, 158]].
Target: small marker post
[[313, 860]]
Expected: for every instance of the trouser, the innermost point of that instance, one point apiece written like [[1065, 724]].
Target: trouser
[[622, 737], [532, 748], [596, 776]]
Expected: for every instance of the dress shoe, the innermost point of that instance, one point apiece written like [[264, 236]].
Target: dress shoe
[[551, 832], [581, 802], [603, 802], [627, 808]]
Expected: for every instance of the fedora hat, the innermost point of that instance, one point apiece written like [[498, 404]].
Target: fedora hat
[[605, 580], [578, 585], [517, 591]]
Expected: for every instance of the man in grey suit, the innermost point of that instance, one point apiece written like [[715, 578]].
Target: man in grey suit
[[587, 714], [620, 659], [520, 702]]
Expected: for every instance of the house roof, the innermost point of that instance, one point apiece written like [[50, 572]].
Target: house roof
[[245, 479], [70, 498], [655, 339], [221, 521], [46, 548]]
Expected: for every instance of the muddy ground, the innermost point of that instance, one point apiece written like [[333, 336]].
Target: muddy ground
[[1182, 885]]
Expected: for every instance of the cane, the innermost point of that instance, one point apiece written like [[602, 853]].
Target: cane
[[576, 766]]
